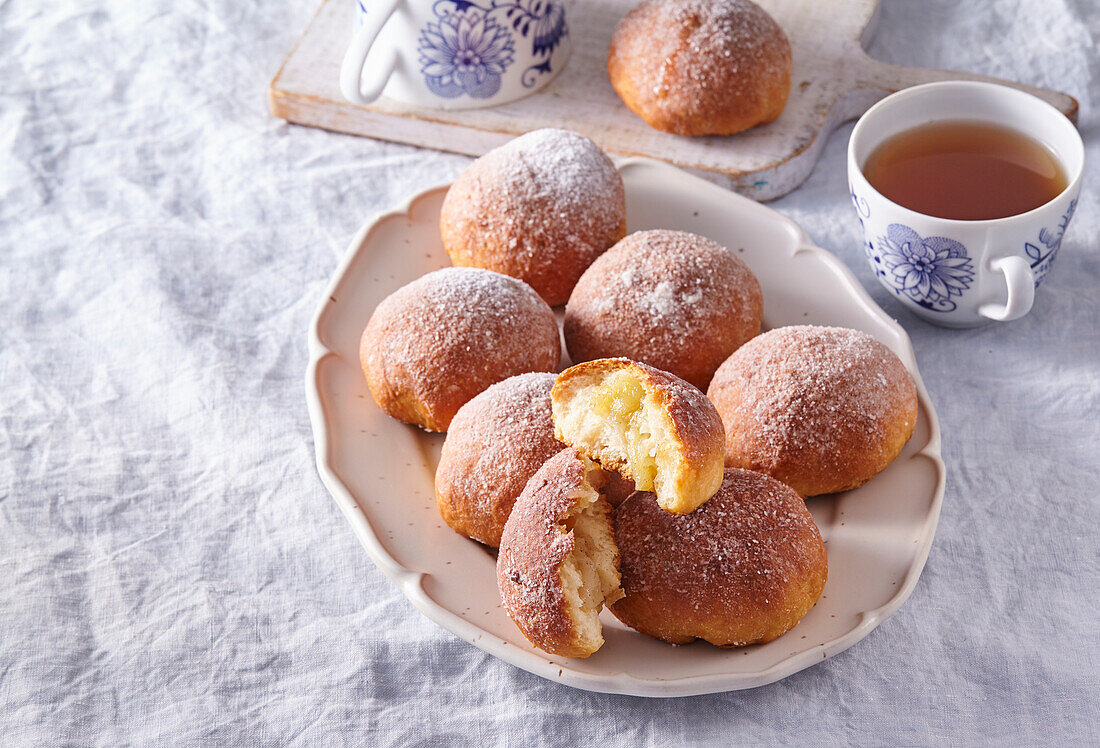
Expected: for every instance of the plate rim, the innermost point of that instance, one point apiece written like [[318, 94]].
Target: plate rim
[[410, 582]]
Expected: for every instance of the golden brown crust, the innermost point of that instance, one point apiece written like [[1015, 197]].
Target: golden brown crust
[[435, 343], [533, 549], [495, 443], [743, 568], [674, 300], [823, 409], [701, 67], [695, 423], [618, 488], [540, 208]]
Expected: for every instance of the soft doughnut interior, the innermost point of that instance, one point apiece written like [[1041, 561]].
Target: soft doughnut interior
[[590, 574], [617, 420]]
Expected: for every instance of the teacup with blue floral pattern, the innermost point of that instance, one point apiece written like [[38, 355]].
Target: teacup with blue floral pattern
[[963, 273], [454, 54]]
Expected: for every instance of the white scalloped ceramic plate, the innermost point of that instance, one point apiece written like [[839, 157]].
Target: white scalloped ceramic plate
[[380, 471]]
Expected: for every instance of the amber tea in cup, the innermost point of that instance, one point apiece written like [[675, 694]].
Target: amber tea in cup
[[964, 190], [965, 170]]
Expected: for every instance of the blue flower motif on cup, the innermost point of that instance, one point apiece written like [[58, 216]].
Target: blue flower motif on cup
[[465, 53], [1042, 259], [454, 64], [860, 203], [929, 271], [544, 19]]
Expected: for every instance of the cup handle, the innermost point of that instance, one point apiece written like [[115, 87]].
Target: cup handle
[[1021, 290], [351, 70]]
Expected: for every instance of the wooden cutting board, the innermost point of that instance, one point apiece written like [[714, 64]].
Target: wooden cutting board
[[833, 81]]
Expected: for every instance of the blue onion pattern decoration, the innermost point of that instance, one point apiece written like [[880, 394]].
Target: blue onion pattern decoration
[[1042, 253], [465, 53], [545, 20], [472, 44], [860, 203], [930, 271]]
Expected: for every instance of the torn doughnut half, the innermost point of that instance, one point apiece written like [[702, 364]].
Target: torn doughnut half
[[646, 424], [558, 563]]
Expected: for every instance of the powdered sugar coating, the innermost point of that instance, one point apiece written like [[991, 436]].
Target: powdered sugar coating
[[701, 67], [822, 409], [742, 568], [540, 208], [672, 299], [535, 544], [437, 342], [495, 443]]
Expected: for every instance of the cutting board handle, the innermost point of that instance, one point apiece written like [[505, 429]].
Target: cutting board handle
[[876, 74]]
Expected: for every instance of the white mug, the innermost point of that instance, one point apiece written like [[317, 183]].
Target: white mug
[[963, 273], [454, 54]]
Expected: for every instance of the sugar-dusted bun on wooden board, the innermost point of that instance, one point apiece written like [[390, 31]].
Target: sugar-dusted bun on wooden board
[[558, 564], [435, 343], [823, 409], [671, 299], [540, 208], [495, 443], [701, 67], [741, 569], [646, 424]]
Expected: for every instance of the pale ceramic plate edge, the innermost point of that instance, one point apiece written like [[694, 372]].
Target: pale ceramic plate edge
[[409, 581]]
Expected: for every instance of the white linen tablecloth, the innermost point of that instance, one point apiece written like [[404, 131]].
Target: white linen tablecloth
[[172, 570]]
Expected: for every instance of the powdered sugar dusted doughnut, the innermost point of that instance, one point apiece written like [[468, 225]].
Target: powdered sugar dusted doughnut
[[701, 67], [648, 425], [823, 409], [540, 208], [495, 443], [674, 300], [432, 345], [558, 563], [741, 569]]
